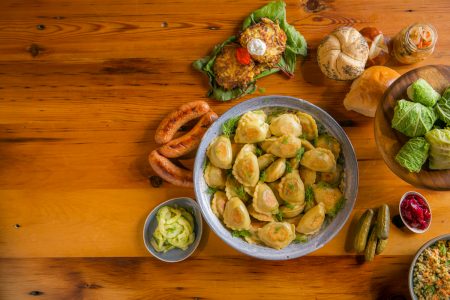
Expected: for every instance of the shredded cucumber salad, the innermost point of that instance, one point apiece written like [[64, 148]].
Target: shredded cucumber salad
[[175, 229]]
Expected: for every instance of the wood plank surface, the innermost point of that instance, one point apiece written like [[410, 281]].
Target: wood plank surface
[[233, 277], [83, 86]]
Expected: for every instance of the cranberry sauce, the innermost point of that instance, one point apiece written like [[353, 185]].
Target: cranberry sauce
[[415, 211]]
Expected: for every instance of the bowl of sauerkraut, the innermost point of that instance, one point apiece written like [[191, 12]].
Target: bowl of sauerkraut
[[276, 177]]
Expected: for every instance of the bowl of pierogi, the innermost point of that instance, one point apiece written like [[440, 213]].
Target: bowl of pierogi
[[276, 177]]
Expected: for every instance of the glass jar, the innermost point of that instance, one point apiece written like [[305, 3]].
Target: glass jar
[[414, 43]]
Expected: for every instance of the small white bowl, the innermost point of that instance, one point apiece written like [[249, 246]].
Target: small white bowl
[[415, 230], [174, 255]]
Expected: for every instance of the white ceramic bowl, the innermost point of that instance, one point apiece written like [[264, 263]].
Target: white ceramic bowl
[[415, 230], [327, 232], [174, 255]]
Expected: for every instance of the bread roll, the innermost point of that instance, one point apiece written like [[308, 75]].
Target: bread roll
[[342, 55], [367, 90]]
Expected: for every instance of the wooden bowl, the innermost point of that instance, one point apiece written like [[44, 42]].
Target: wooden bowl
[[389, 140]]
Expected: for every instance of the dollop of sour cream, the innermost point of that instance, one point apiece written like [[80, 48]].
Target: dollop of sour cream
[[256, 47]]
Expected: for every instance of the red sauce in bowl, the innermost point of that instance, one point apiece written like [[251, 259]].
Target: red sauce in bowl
[[415, 211]]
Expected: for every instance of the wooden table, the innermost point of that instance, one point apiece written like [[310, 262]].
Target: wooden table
[[83, 85]]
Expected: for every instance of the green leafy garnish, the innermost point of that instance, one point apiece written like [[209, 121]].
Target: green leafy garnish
[[240, 233], [205, 164], [300, 238], [299, 154], [288, 167], [258, 151], [211, 191], [230, 125], [240, 192], [262, 176], [337, 207], [288, 205], [205, 65], [279, 216], [429, 289], [309, 194], [442, 249], [261, 90]]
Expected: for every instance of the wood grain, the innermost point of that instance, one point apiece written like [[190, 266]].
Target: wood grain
[[233, 277], [83, 87], [389, 140]]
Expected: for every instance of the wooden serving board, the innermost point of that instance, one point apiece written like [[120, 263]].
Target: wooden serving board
[[390, 141]]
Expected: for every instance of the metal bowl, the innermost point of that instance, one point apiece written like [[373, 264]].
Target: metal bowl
[[413, 263], [327, 232], [174, 255]]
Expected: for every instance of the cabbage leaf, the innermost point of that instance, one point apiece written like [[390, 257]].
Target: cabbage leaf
[[421, 91], [413, 154], [413, 119], [443, 107], [439, 140]]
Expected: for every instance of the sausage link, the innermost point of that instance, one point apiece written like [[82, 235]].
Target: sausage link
[[190, 141], [177, 118], [169, 172]]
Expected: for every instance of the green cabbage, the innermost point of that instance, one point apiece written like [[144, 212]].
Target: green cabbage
[[413, 119], [413, 154], [443, 107], [422, 92], [439, 140]]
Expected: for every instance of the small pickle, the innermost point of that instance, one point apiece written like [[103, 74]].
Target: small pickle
[[362, 231], [371, 247], [381, 245], [383, 222]]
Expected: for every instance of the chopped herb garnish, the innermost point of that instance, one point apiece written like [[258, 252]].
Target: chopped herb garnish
[[299, 154], [230, 125], [205, 164], [442, 249], [291, 186], [288, 205], [240, 192], [240, 233], [321, 129], [300, 238], [337, 207], [258, 151], [276, 112], [285, 140], [288, 167], [430, 290], [261, 90], [211, 191], [279, 216], [262, 176], [309, 194]]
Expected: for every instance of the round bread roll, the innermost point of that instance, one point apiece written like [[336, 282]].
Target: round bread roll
[[342, 55], [366, 91]]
